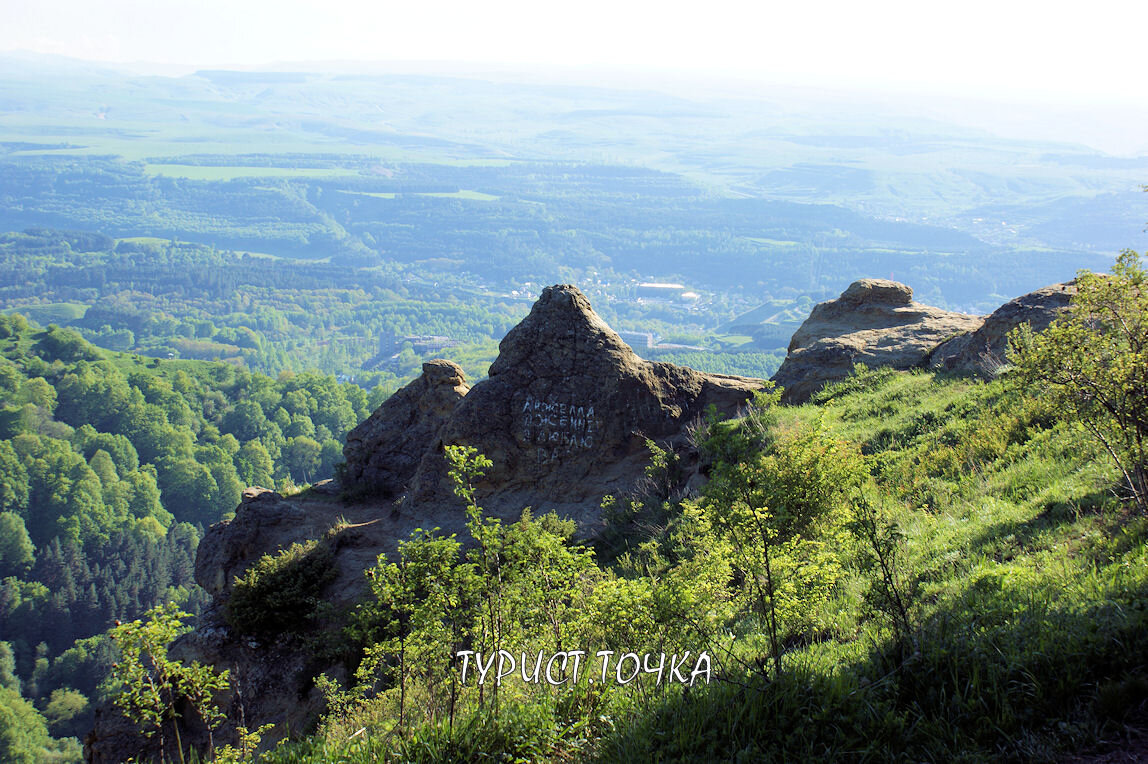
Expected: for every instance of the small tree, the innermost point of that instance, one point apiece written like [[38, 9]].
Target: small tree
[[882, 556], [16, 550], [467, 466], [149, 685], [773, 494], [419, 617], [1093, 365]]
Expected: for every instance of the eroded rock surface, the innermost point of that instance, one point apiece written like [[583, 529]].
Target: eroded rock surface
[[875, 322], [984, 350], [383, 452], [566, 410]]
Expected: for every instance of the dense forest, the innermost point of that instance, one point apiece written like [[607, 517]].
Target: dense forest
[[175, 299], [111, 466]]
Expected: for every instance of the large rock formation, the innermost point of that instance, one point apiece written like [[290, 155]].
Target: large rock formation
[[874, 322], [564, 415], [984, 350], [566, 410]]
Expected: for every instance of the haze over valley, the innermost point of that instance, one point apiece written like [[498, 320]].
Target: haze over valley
[[375, 335], [408, 194]]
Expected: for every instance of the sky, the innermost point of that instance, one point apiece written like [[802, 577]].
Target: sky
[[1073, 55]]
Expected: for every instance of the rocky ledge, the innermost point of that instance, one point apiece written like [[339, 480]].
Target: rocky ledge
[[877, 323]]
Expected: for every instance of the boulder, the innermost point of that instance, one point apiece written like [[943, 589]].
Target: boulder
[[984, 350], [875, 322]]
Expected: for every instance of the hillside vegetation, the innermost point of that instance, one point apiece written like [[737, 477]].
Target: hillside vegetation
[[373, 325], [111, 466], [910, 567]]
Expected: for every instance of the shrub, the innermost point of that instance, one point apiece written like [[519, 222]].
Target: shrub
[[279, 593]]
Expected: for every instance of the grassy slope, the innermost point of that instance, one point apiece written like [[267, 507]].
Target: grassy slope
[[1031, 609], [1033, 591]]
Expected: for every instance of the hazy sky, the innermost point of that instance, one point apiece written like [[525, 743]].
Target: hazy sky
[[1051, 51]]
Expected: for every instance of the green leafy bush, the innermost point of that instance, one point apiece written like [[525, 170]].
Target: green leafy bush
[[279, 593]]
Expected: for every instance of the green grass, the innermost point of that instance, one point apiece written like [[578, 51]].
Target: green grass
[[733, 340], [773, 242], [476, 196], [1033, 600], [151, 240], [52, 313], [375, 194]]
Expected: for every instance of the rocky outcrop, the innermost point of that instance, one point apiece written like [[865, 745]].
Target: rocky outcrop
[[383, 453], [564, 415], [984, 350], [566, 410], [875, 322]]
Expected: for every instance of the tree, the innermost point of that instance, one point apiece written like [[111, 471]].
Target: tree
[[16, 551], [1092, 366], [254, 464], [87, 441], [8, 676], [190, 486], [64, 705], [65, 345], [467, 465], [13, 480], [24, 737], [38, 392], [777, 496], [149, 684], [245, 421], [302, 455], [419, 616]]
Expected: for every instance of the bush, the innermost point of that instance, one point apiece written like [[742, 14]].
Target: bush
[[861, 380], [279, 593]]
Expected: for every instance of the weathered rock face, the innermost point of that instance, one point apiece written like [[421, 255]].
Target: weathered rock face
[[383, 452], [874, 322], [566, 410], [984, 350]]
